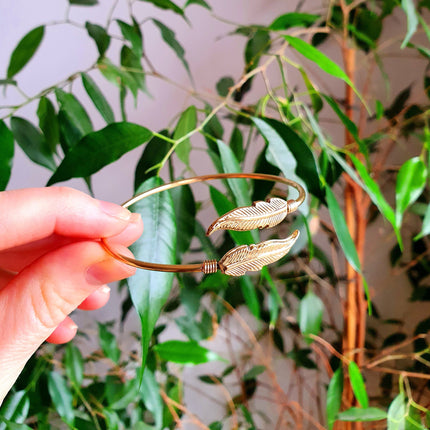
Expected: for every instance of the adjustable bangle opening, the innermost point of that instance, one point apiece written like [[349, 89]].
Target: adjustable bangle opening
[[240, 259]]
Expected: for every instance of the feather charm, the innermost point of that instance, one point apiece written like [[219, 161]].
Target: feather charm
[[252, 258], [259, 215]]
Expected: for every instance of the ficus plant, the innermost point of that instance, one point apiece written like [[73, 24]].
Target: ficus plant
[[310, 347]]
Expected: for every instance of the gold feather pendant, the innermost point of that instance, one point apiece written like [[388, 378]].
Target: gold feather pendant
[[260, 215], [251, 258]]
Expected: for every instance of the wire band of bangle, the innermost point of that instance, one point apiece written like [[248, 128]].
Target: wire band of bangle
[[241, 259]]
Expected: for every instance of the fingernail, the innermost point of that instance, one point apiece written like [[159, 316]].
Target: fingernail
[[115, 210], [135, 218], [105, 289]]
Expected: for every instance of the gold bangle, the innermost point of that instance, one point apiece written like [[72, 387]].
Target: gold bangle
[[243, 258]]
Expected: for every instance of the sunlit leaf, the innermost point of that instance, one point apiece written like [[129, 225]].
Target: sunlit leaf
[[97, 98], [188, 353], [311, 310], [412, 20], [357, 384], [149, 290], [6, 154], [100, 148], [410, 183], [25, 50], [15, 408], [32, 142], [61, 397], [334, 397]]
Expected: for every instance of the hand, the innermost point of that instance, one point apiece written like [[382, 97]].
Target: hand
[[51, 262]]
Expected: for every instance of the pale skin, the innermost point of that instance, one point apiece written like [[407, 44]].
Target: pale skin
[[52, 262]]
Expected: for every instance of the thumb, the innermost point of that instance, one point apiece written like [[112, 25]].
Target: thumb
[[40, 297]]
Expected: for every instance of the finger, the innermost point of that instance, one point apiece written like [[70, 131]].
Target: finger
[[96, 300], [33, 214], [36, 300], [64, 332], [131, 233]]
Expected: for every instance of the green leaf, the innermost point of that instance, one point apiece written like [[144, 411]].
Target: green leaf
[[25, 50], [132, 75], [412, 20], [99, 149], [239, 186], [250, 295], [425, 230], [6, 154], [334, 397], [361, 414], [236, 144], [150, 391], [410, 183], [84, 2], [100, 36], [149, 290], [357, 384], [48, 122], [170, 38], [61, 397], [186, 123], [166, 5], [74, 110], [188, 353], [293, 19], [198, 2], [257, 45], [379, 109], [310, 315], [254, 372], [74, 364], [15, 408], [108, 343], [133, 35], [314, 94], [403, 416], [97, 98], [185, 212], [14, 426], [32, 142], [342, 231], [152, 155], [291, 153], [223, 85]]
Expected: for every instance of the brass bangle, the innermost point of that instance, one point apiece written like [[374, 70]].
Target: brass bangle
[[242, 258]]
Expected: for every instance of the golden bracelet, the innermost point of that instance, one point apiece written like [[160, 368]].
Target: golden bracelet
[[243, 258]]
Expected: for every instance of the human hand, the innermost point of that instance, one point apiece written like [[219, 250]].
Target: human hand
[[51, 262]]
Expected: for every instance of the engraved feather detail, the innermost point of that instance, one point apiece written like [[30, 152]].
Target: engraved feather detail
[[259, 215], [252, 258]]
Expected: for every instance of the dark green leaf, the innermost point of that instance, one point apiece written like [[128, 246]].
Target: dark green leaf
[[133, 35], [254, 372], [61, 397], [152, 155], [74, 110], [357, 384], [84, 2], [412, 20], [236, 144], [250, 295], [100, 36], [74, 364], [398, 104], [48, 122], [368, 28], [15, 408], [261, 189], [342, 231], [410, 183], [198, 2], [185, 212], [149, 290], [167, 5], [122, 394], [293, 19], [6, 154], [169, 37], [301, 358], [97, 98], [360, 414], [150, 391], [132, 75], [99, 149], [186, 123], [223, 85], [25, 49], [334, 397], [188, 353], [32, 142], [14, 426], [316, 100], [425, 229], [257, 45], [230, 164], [310, 315], [108, 343]]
